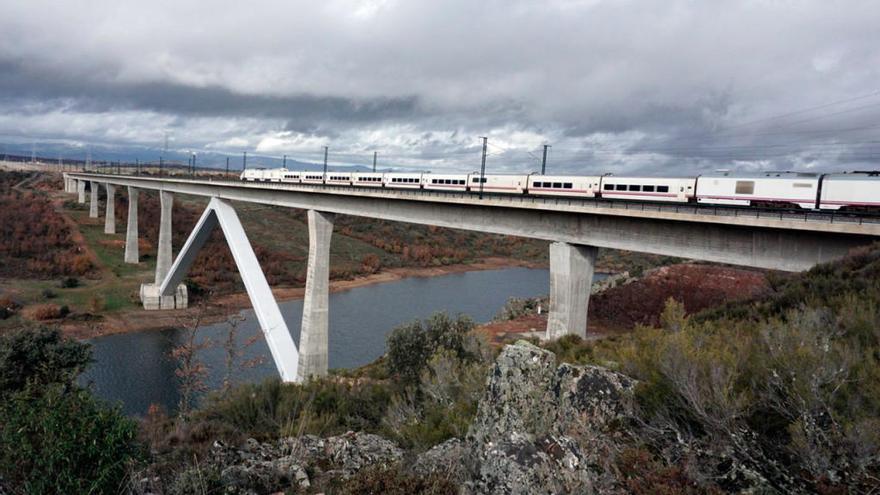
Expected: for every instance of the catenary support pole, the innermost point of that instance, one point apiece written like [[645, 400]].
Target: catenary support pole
[[110, 210], [132, 254], [571, 277], [315, 318]]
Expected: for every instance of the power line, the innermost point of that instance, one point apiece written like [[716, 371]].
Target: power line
[[805, 110]]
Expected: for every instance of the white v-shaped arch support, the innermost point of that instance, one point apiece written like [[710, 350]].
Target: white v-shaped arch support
[[281, 345]]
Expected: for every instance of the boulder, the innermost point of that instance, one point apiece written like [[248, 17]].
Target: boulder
[[543, 428], [446, 459]]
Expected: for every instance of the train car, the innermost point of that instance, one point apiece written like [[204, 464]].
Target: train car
[[773, 189], [252, 175], [366, 179], [677, 190], [851, 191], [504, 184], [445, 182], [263, 175], [563, 185], [292, 176], [400, 180], [338, 179], [312, 178]]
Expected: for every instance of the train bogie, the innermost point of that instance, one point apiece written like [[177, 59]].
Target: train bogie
[[399, 180], [503, 184], [852, 191], [563, 185], [766, 189], [678, 190], [445, 182]]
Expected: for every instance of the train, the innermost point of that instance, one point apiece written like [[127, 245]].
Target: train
[[858, 190]]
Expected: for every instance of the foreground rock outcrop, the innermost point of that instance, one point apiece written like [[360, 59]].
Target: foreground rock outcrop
[[543, 428], [540, 428]]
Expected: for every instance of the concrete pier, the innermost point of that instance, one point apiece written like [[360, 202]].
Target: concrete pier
[[571, 276], [164, 254], [81, 191], [131, 229], [315, 323], [110, 210], [93, 199], [151, 293]]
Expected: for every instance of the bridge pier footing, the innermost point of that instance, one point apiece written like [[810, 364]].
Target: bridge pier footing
[[315, 319], [571, 277], [131, 228], [150, 294], [110, 210], [93, 199]]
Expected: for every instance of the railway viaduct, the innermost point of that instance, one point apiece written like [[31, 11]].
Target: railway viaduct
[[780, 240]]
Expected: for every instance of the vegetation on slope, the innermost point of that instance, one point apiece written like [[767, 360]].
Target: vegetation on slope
[[784, 389]]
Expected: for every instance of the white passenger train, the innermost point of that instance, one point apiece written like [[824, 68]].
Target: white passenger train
[[849, 191]]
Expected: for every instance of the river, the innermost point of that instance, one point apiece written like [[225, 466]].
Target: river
[[136, 370]]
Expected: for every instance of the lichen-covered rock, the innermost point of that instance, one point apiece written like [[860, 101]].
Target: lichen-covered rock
[[446, 459], [545, 429], [354, 451]]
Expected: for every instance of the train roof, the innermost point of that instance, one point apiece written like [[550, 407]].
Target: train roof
[[858, 175], [764, 175]]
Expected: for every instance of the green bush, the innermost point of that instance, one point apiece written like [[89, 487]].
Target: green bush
[[321, 407], [410, 346], [39, 356], [54, 436], [61, 440]]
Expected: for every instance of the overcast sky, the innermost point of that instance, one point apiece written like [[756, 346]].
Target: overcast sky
[[660, 86]]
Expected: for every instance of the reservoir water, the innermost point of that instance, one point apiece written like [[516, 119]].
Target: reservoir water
[[136, 370]]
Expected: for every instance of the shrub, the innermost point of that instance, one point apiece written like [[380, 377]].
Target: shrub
[[445, 401], [49, 294], [411, 345], [321, 407], [61, 440], [69, 283], [39, 356], [54, 436], [45, 312]]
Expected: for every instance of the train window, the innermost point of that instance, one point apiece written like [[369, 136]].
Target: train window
[[620, 187], [648, 188], [557, 185], [609, 187], [745, 187], [663, 189], [635, 187], [536, 184], [567, 185]]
